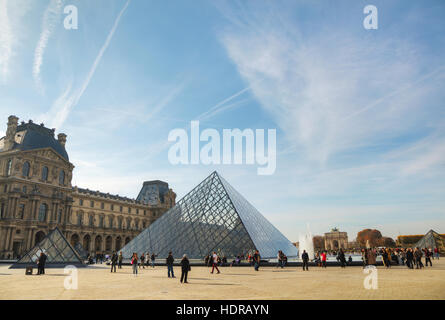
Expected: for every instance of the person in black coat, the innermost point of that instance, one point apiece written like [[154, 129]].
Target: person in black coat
[[41, 263], [185, 268], [113, 262], [169, 261], [305, 258], [342, 258]]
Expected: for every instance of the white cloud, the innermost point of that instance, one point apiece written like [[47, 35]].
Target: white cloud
[[330, 93], [5, 40]]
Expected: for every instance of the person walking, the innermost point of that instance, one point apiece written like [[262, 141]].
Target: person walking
[[305, 258], [418, 258], [114, 259], [280, 258], [428, 254], [153, 257], [256, 260], [185, 268], [147, 259], [436, 253], [41, 263], [169, 261], [214, 262], [410, 258], [134, 263], [120, 258], [142, 263]]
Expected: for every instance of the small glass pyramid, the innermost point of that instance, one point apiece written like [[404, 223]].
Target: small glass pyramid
[[211, 217], [58, 250], [431, 240]]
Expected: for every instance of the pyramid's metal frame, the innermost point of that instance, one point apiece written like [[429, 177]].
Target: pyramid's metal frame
[[211, 217], [431, 240], [59, 252]]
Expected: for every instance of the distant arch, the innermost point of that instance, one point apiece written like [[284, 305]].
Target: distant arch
[[127, 240]]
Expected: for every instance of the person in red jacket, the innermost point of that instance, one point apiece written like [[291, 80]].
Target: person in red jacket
[[323, 259]]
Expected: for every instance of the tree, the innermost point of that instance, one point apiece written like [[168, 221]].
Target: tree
[[387, 242], [372, 235]]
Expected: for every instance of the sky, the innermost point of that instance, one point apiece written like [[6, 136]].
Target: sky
[[359, 114]]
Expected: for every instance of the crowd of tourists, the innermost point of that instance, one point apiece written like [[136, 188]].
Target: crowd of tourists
[[409, 257]]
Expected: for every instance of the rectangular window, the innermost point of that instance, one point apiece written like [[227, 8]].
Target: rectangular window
[[137, 211], [129, 210], [21, 211], [81, 202], [102, 205], [92, 204], [112, 207], [121, 208]]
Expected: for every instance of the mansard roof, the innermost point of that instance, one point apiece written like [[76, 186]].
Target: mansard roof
[[38, 137]]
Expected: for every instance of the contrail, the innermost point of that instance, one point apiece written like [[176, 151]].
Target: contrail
[[50, 18], [72, 101], [395, 92]]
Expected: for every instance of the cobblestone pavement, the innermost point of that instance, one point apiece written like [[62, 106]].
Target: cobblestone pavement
[[233, 283]]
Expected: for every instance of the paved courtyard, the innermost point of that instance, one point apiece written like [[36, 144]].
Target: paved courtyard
[[233, 283]]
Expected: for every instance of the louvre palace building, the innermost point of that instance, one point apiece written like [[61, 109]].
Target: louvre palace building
[[36, 196]]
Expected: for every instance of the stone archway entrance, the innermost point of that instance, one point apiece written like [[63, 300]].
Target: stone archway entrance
[[98, 244], [108, 244], [86, 242], [74, 239], [39, 237], [118, 243]]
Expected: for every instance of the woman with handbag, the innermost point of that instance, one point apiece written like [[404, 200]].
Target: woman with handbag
[[185, 268]]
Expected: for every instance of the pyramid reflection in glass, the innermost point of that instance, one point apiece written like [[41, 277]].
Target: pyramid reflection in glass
[[211, 217]]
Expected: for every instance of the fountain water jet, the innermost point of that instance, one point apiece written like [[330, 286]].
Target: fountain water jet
[[306, 243]]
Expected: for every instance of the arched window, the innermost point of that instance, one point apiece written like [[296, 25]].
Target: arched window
[[62, 177], [42, 211], [45, 173], [8, 168], [25, 169]]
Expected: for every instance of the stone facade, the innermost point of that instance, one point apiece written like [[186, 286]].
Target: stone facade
[[36, 195], [335, 240]]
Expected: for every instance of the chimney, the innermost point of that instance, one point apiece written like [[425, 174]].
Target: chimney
[[61, 137], [10, 132]]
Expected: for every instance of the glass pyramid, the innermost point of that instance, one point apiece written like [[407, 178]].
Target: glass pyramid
[[81, 251], [58, 250], [211, 217], [431, 240]]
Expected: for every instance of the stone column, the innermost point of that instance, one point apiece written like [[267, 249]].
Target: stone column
[[11, 238]]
